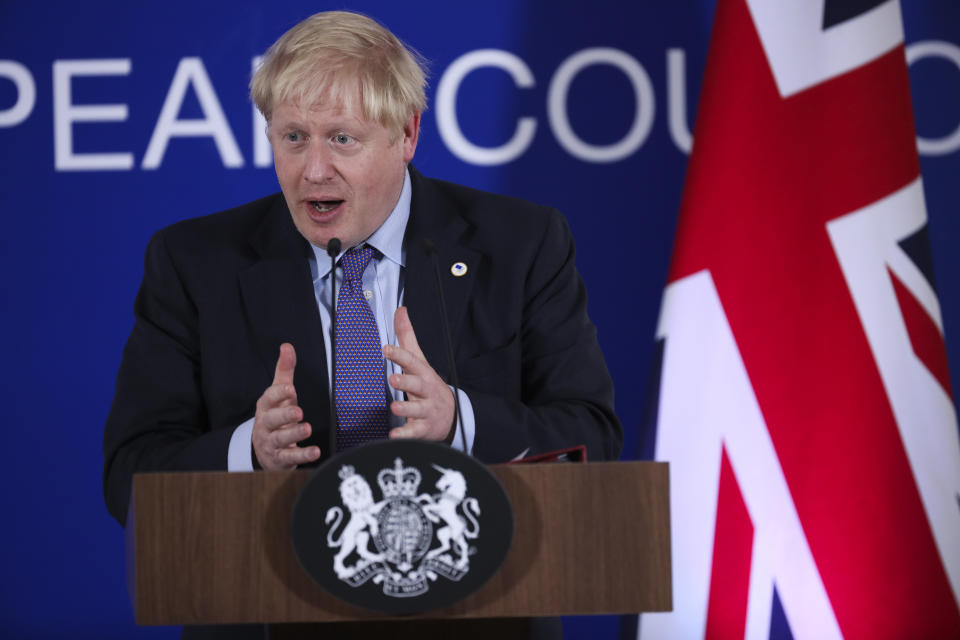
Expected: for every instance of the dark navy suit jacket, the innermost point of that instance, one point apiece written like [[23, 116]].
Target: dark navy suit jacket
[[222, 292]]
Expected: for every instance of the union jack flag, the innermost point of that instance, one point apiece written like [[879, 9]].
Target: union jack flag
[[804, 399]]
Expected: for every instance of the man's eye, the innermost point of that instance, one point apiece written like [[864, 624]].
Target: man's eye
[[342, 138], [294, 136]]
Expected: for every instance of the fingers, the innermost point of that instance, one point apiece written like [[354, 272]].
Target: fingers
[[429, 407], [412, 385], [288, 435], [408, 361], [295, 456], [410, 431], [278, 418], [276, 435], [424, 422], [286, 363], [436, 402], [278, 395], [409, 409], [277, 429], [406, 338]]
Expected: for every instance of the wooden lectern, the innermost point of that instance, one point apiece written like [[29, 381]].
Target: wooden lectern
[[215, 548]]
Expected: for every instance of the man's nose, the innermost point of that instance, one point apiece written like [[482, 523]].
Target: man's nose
[[319, 166]]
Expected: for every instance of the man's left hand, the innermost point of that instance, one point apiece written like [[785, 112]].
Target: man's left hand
[[429, 407]]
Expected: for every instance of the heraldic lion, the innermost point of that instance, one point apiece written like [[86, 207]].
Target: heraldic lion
[[358, 498]]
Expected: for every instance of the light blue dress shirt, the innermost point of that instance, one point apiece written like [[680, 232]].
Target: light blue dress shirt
[[383, 283]]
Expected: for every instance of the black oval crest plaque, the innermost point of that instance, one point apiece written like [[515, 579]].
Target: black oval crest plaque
[[402, 526]]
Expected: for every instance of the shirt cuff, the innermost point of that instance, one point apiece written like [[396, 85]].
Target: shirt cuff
[[466, 430], [240, 452]]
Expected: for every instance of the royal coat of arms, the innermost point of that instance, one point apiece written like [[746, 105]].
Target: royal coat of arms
[[406, 540]]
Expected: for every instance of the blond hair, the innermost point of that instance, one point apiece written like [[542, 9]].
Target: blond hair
[[324, 59]]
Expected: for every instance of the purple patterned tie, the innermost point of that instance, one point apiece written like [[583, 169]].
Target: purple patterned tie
[[361, 392]]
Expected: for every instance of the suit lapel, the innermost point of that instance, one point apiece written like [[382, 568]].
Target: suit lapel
[[279, 302], [278, 298], [435, 217]]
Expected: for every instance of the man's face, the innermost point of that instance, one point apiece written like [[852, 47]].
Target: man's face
[[341, 175]]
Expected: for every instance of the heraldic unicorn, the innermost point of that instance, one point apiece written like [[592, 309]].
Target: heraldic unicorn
[[406, 553]]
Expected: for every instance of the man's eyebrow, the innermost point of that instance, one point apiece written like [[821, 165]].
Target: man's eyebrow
[[289, 124]]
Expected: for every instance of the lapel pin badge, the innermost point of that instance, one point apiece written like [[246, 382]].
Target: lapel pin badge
[[458, 269]]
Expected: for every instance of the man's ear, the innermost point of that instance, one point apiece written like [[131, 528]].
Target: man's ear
[[411, 134]]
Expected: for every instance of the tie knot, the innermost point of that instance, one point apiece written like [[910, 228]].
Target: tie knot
[[355, 261]]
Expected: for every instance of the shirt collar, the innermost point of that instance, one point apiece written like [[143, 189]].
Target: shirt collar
[[387, 239]]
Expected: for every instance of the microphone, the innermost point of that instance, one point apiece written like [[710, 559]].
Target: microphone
[[333, 250], [431, 250]]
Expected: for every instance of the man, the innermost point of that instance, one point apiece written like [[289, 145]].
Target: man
[[227, 365]]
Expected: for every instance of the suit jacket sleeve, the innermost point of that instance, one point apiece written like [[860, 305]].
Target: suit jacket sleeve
[[158, 420], [219, 295]]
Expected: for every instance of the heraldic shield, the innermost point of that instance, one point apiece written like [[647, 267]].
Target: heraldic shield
[[402, 526]]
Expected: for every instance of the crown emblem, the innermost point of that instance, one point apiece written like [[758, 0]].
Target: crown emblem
[[346, 471], [399, 482]]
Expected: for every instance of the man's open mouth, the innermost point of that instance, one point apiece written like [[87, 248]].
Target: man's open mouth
[[323, 206]]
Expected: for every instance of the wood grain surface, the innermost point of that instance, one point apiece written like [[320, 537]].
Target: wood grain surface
[[214, 547]]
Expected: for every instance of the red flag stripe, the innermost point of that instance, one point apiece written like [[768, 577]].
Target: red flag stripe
[[925, 336], [732, 550]]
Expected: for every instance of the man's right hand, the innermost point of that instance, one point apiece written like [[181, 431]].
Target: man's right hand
[[277, 428]]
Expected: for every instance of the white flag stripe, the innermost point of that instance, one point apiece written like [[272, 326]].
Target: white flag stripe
[[701, 361], [913, 279], [802, 54], [864, 241]]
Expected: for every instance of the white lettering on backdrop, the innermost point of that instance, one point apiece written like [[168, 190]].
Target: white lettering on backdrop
[[191, 74]]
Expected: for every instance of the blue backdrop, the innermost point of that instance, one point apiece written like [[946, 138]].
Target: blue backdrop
[[96, 156]]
